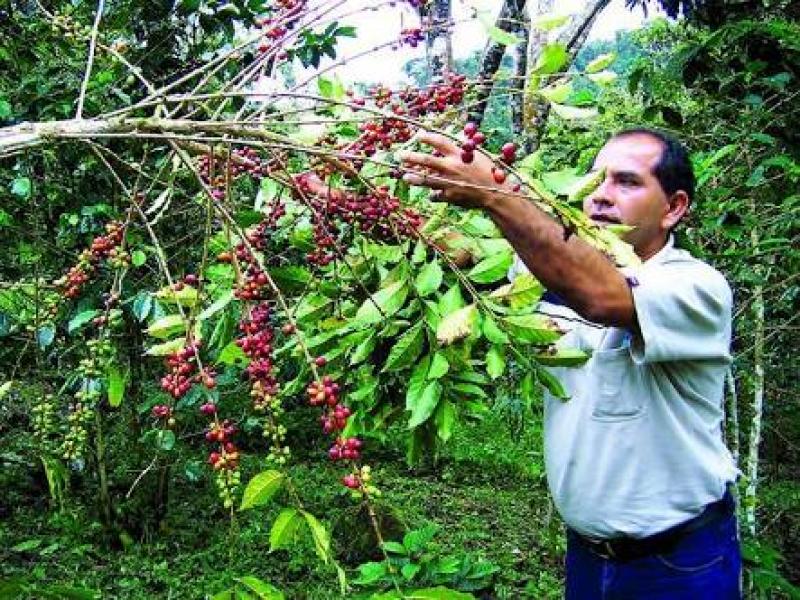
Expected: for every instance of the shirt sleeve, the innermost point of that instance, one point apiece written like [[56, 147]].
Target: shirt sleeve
[[684, 313]]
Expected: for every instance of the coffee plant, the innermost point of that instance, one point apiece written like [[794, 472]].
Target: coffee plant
[[260, 256]]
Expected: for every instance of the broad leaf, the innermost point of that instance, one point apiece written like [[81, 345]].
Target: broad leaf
[[548, 22], [167, 348], [603, 77], [261, 489], [552, 59], [425, 404], [407, 349], [322, 541], [574, 113], [492, 331], [216, 306], [45, 336], [556, 93], [445, 419], [492, 268], [439, 366], [457, 325], [284, 529], [186, 296], [166, 327], [562, 357], [416, 383], [429, 279], [115, 381], [601, 62], [383, 303], [79, 320], [262, 589], [142, 305], [532, 329], [495, 362], [450, 301], [495, 33]]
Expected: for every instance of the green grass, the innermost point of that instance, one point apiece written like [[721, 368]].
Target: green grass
[[487, 495]]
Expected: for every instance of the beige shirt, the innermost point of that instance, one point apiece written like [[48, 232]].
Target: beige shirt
[[638, 447]]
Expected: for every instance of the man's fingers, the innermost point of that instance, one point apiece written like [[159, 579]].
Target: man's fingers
[[424, 179], [439, 142], [418, 159]]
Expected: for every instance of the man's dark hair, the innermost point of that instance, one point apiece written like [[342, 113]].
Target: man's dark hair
[[674, 169]]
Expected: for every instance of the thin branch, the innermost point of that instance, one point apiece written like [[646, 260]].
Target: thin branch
[[90, 60]]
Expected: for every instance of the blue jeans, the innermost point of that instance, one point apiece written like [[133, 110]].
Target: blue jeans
[[704, 565]]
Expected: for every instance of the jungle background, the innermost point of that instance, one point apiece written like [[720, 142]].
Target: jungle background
[[463, 508]]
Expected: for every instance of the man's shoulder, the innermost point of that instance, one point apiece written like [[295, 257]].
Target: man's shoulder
[[680, 264]]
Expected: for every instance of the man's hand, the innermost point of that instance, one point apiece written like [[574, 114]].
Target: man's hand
[[467, 184]]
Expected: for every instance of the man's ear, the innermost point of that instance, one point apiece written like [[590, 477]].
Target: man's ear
[[678, 205]]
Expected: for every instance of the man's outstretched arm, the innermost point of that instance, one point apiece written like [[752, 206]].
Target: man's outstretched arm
[[587, 281]]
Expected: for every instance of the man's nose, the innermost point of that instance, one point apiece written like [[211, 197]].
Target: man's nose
[[601, 195]]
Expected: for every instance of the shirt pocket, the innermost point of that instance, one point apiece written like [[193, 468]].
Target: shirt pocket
[[612, 386]]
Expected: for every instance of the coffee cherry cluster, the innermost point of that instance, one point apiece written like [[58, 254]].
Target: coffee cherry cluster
[[182, 369], [345, 449], [256, 343], [411, 36], [286, 13], [255, 284], [106, 246], [45, 428], [70, 28], [82, 410], [215, 172], [358, 481], [225, 458], [377, 214], [474, 139]]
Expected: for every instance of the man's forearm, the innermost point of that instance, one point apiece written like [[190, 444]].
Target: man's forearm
[[580, 274]]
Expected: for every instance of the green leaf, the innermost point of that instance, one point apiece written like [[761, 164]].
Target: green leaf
[[416, 383], [363, 350], [21, 187], [451, 301], [563, 357], [383, 303], [445, 418], [45, 336], [532, 329], [424, 406], [166, 327], [548, 22], [418, 539], [81, 319], [495, 33], [552, 59], [601, 62], [291, 278], [429, 278], [492, 331], [186, 296], [407, 349], [457, 325], [603, 77], [115, 381], [142, 305], [395, 548], [5, 387], [262, 589], [409, 570], [557, 92], [525, 291], [216, 306], [574, 113], [27, 545], [284, 529], [5, 109], [261, 488], [322, 541], [495, 361], [311, 307], [439, 366], [552, 384], [232, 355], [492, 268], [438, 593], [165, 440], [166, 348], [371, 572], [138, 258]]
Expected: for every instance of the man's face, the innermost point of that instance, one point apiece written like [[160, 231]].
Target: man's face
[[631, 194]]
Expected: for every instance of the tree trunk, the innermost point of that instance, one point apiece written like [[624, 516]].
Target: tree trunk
[[510, 18], [537, 109], [438, 44], [732, 416], [518, 87], [754, 439]]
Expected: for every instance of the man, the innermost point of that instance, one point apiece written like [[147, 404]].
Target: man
[[635, 459]]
